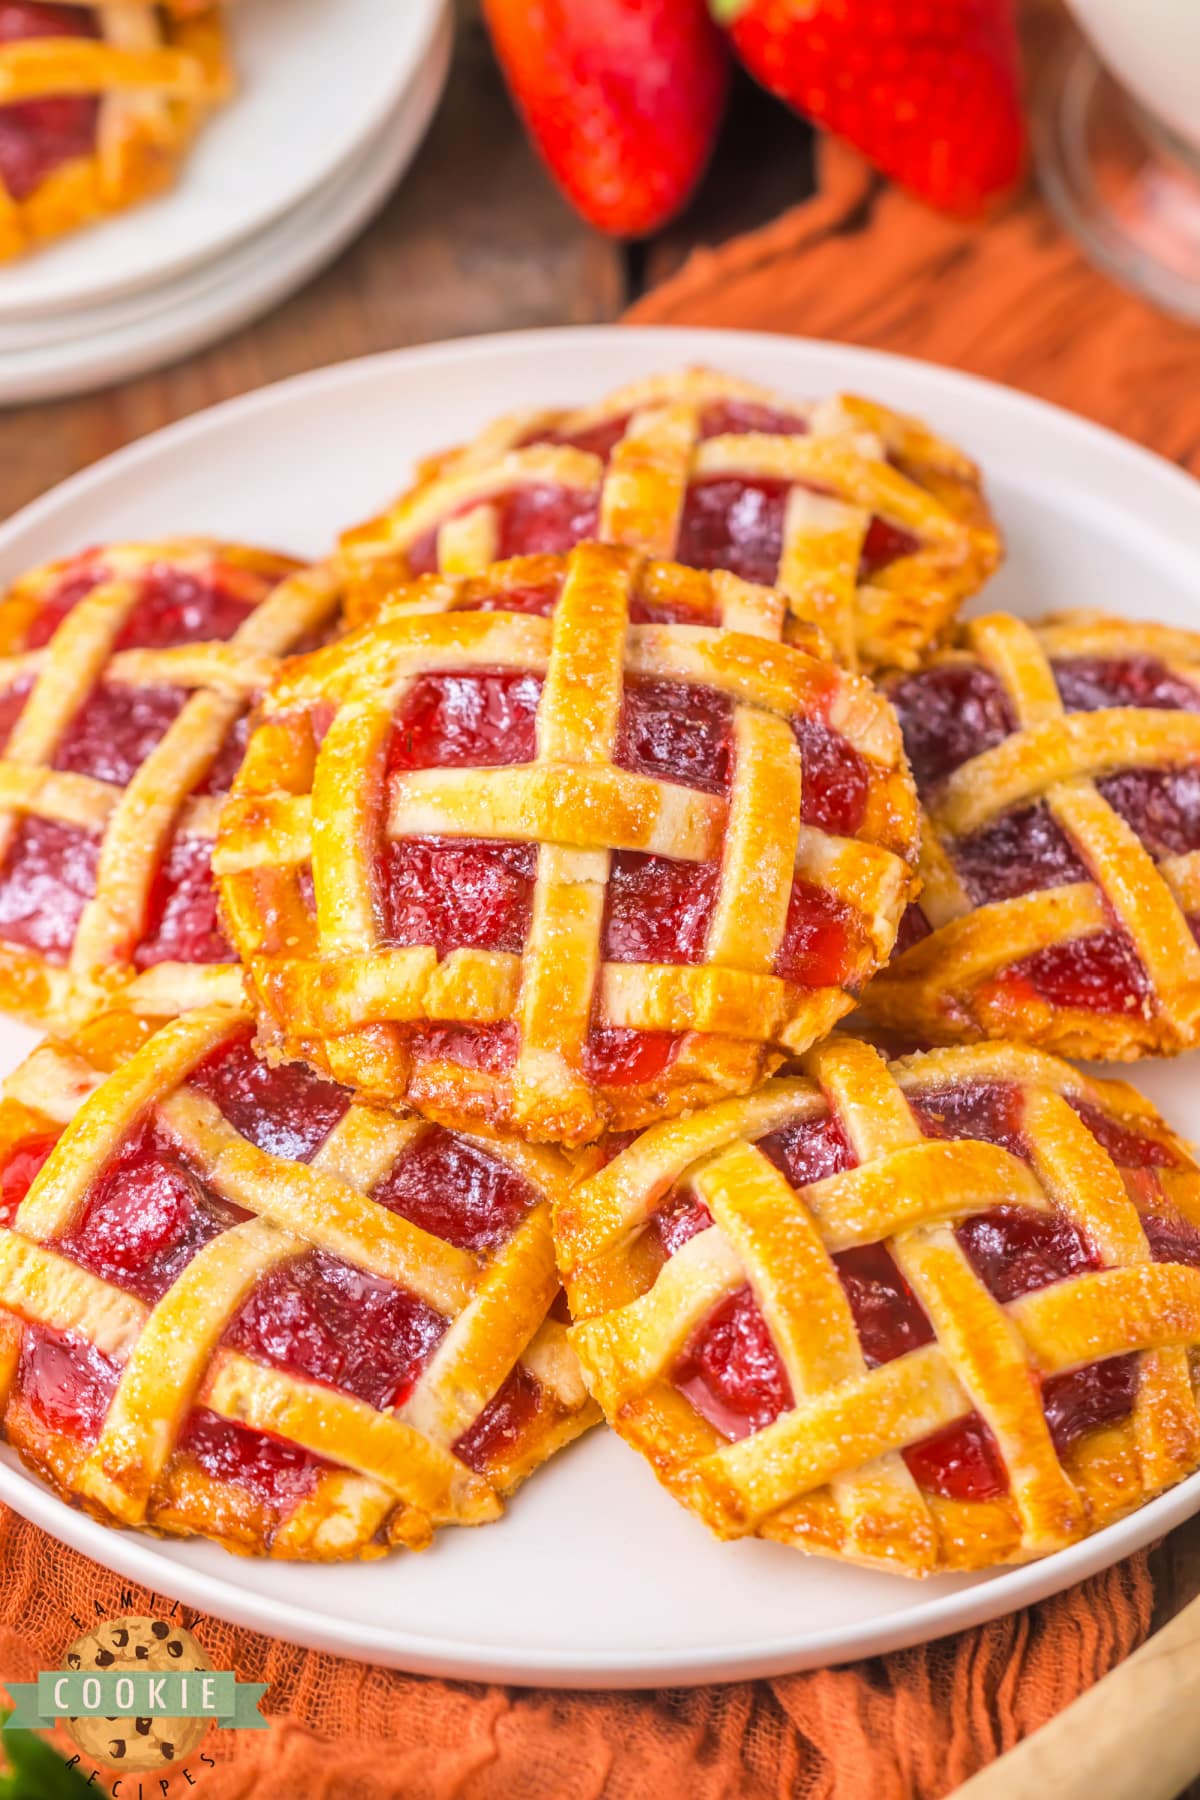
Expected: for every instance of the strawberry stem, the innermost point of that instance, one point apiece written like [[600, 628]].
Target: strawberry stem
[[727, 12]]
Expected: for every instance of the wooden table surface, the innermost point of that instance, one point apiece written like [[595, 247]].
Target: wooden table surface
[[476, 239]]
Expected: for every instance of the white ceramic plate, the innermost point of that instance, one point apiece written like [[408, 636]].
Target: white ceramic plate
[[316, 83], [141, 331], [595, 1577]]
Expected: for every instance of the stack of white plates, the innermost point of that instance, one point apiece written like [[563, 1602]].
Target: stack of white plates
[[333, 101]]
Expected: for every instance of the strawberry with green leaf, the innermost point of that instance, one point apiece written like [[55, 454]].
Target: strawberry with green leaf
[[36, 1771], [622, 97], [928, 90]]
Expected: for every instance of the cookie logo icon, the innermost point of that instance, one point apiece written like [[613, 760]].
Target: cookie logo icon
[[136, 1745]]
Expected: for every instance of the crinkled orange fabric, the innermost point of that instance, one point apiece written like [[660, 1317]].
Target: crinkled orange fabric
[[904, 1727], [1014, 301]]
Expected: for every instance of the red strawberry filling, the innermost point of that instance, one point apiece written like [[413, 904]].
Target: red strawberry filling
[[496, 1435], [281, 1474], [948, 715], [730, 1369], [732, 1373], [1161, 805], [617, 1056], [320, 1317], [1088, 683], [145, 1218], [457, 893], [730, 522], [540, 600], [228, 759], [809, 1149], [1021, 852], [115, 730], [38, 136], [174, 606], [148, 1213], [538, 520], [884, 543], [12, 702], [658, 911], [836, 779], [20, 1172], [537, 601], [469, 721], [182, 924], [671, 731], [467, 893], [1096, 974], [1129, 1149], [66, 1383], [283, 1108], [739, 418], [819, 937], [718, 418], [49, 876], [453, 1189], [736, 522], [952, 713]]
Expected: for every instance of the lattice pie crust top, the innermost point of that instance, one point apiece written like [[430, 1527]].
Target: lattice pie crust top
[[874, 527], [1059, 767], [127, 674], [574, 844], [100, 103], [234, 1303], [926, 1315]]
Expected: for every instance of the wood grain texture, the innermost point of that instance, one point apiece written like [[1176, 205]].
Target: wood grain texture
[[1134, 1736], [763, 164], [475, 239], [862, 263]]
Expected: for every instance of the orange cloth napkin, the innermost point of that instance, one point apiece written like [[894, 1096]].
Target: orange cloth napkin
[[903, 1727], [1014, 301]]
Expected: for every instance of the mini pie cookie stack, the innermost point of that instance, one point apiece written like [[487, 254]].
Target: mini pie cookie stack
[[559, 824], [99, 104], [234, 1299], [567, 846]]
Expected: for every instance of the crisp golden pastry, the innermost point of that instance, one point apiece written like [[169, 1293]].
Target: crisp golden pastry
[[99, 104], [929, 1315], [874, 527], [575, 843], [1059, 769], [126, 678], [235, 1304]]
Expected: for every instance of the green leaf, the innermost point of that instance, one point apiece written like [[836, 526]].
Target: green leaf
[[36, 1771], [727, 12]]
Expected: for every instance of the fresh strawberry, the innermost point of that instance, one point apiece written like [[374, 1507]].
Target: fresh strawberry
[[622, 97], [927, 89]]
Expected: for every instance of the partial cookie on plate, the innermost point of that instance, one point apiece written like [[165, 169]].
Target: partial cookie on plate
[[933, 1314], [101, 101], [875, 528], [1059, 772], [574, 844], [235, 1304], [127, 674]]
